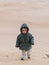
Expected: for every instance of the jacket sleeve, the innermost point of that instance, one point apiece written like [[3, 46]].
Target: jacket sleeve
[[17, 42], [31, 40]]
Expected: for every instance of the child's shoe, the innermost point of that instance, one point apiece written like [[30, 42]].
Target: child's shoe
[[22, 59], [28, 57]]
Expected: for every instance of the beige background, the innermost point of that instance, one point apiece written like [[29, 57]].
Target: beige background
[[12, 15]]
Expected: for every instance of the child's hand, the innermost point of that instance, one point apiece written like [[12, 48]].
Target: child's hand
[[17, 46], [32, 43]]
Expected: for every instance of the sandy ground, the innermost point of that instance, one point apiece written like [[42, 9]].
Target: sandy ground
[[12, 15]]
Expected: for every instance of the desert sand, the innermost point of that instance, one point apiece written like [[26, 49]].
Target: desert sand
[[12, 16]]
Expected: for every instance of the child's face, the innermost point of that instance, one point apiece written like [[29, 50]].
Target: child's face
[[24, 30]]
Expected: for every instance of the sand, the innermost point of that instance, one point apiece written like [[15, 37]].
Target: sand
[[12, 15]]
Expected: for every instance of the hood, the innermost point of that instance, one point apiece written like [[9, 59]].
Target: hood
[[24, 26]]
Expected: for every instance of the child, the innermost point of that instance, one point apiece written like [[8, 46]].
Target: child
[[25, 41]]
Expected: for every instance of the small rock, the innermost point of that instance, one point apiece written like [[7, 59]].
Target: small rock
[[47, 55]]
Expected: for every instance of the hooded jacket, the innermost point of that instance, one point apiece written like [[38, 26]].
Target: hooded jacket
[[25, 42]]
